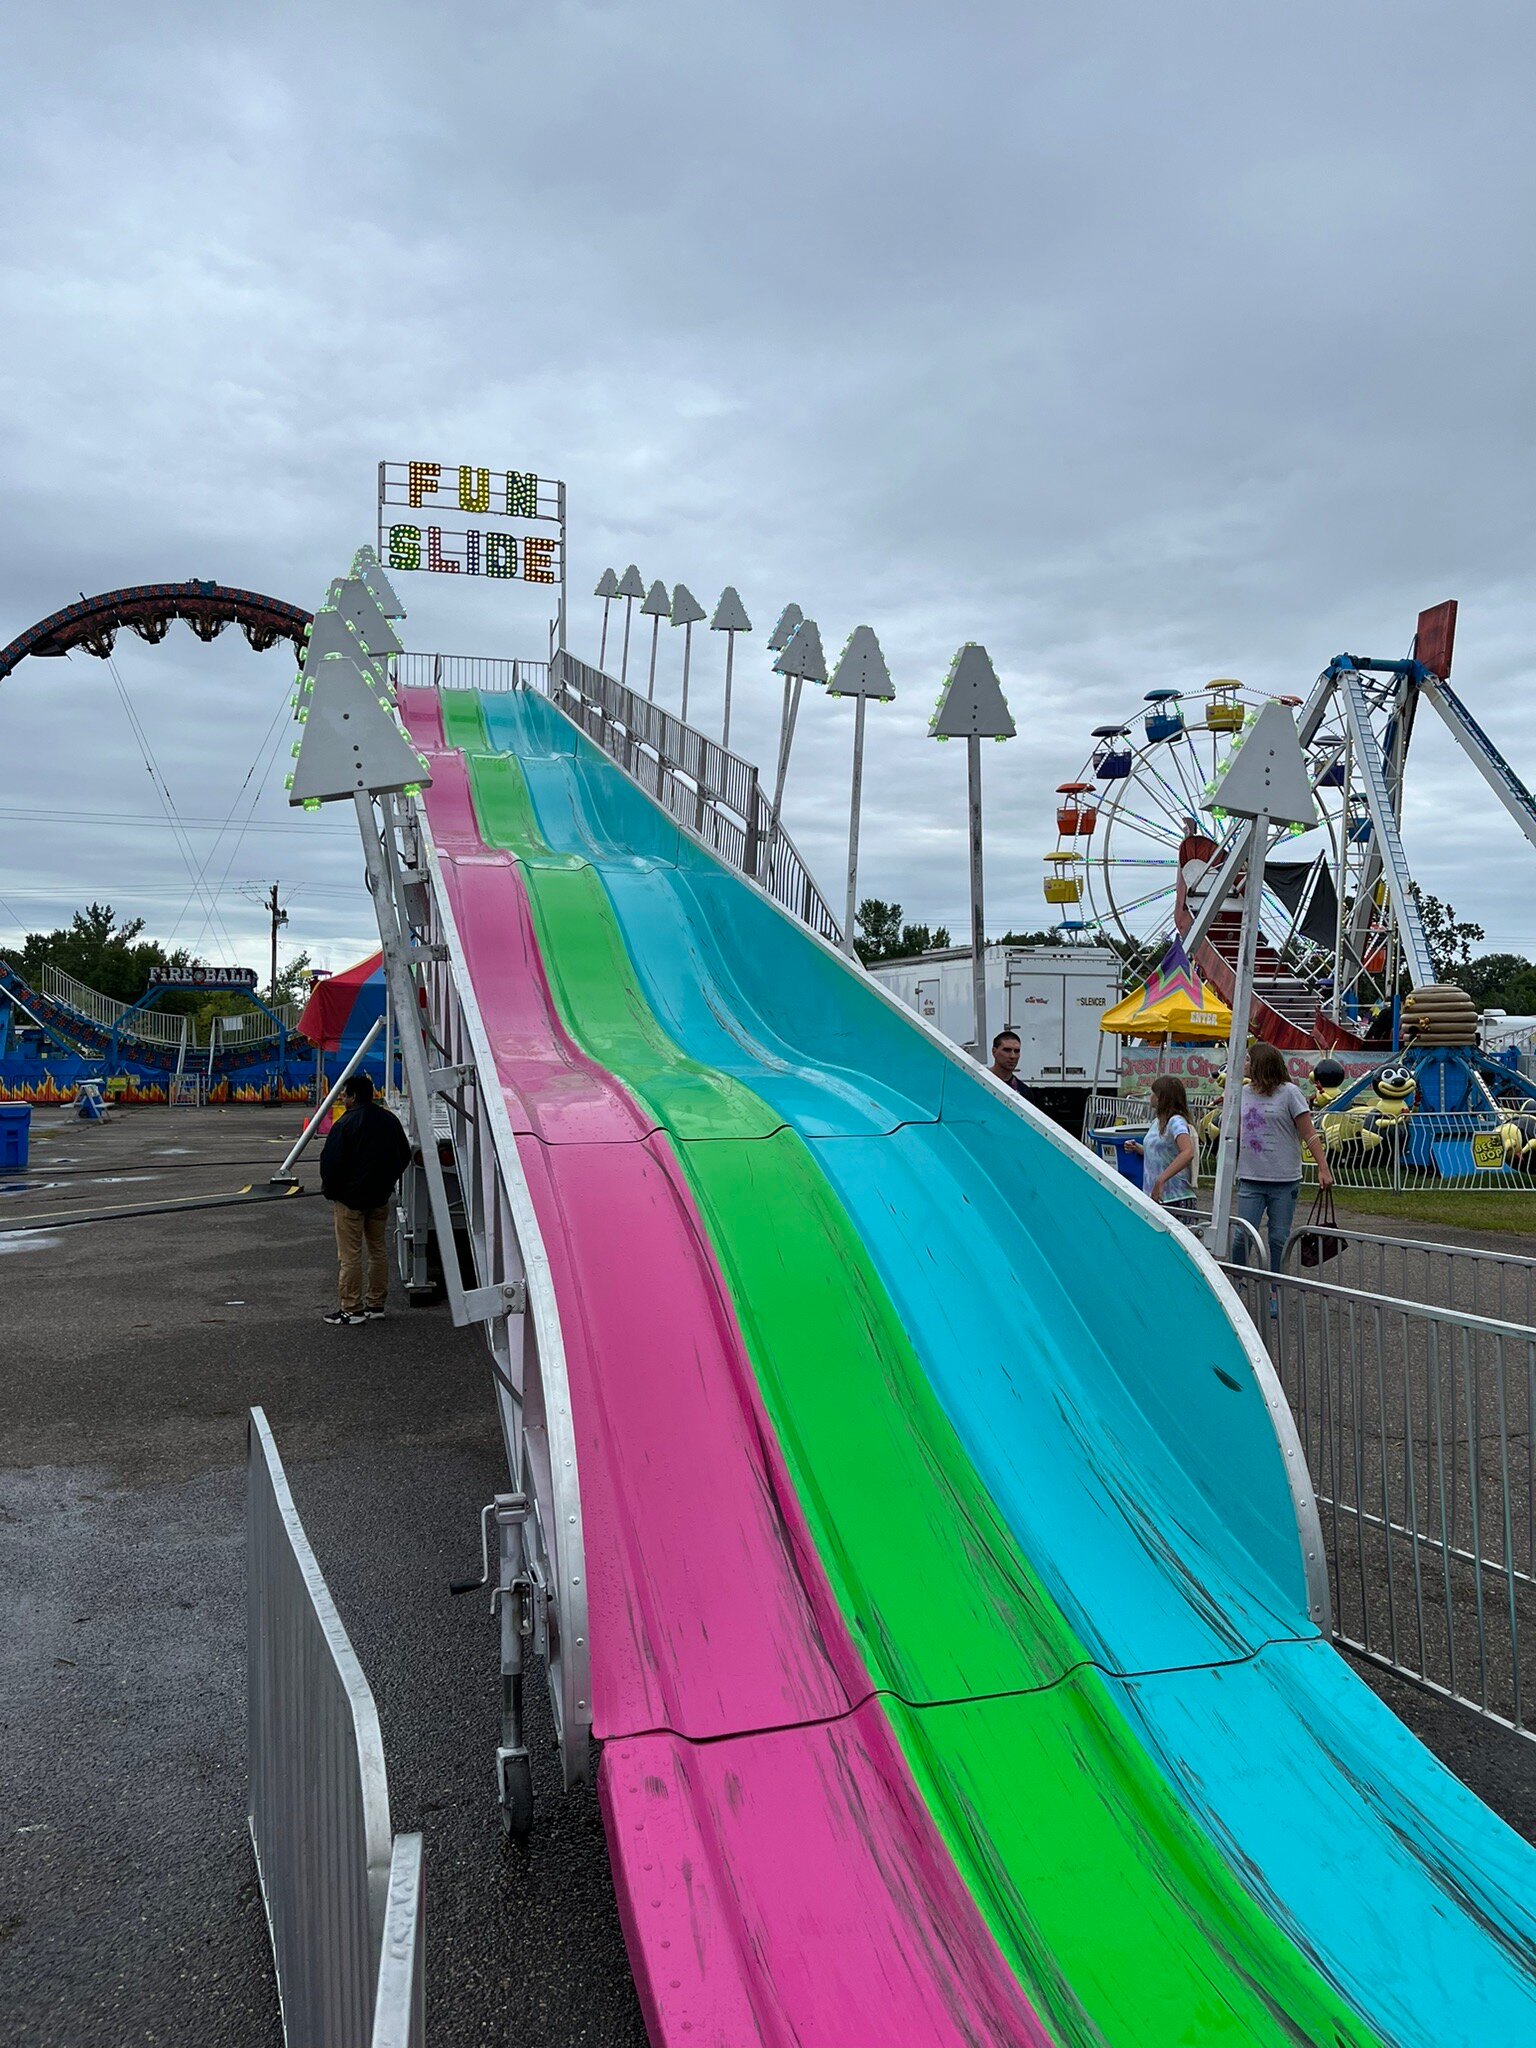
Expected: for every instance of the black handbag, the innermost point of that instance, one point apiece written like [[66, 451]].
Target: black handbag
[[1319, 1237]]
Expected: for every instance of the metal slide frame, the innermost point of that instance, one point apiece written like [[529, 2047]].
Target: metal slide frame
[[533, 1557]]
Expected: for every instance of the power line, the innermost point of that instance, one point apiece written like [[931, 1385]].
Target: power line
[[160, 825], [275, 733], [211, 854], [162, 790]]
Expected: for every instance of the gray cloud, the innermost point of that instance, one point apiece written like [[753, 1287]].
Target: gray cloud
[[1142, 344]]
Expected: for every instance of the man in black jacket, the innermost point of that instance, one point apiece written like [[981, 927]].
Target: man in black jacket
[[364, 1157]]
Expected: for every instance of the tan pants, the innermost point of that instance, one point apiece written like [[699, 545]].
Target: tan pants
[[354, 1229]]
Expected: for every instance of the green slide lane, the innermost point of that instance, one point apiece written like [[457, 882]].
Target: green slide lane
[[1108, 1899]]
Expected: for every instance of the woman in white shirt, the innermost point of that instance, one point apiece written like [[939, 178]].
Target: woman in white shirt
[[1275, 1123]]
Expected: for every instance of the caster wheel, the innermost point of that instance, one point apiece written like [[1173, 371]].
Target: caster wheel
[[516, 1796]]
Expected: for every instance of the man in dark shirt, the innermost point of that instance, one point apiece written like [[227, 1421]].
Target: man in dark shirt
[[364, 1157], [1006, 1048]]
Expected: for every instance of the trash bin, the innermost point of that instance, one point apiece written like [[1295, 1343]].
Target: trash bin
[[15, 1133], [1113, 1142]]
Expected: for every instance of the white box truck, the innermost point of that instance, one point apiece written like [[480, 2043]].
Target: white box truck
[[1053, 996]]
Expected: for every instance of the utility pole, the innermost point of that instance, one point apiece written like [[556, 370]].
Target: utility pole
[[279, 918]]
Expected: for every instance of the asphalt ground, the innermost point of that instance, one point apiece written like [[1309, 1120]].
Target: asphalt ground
[[129, 1911], [134, 1347]]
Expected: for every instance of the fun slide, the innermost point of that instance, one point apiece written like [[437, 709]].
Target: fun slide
[[956, 1587]]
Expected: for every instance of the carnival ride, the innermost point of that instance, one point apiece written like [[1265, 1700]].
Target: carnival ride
[[905, 1506], [1142, 851], [55, 1031]]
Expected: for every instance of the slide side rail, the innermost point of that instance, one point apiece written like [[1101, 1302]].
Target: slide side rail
[[535, 1559]]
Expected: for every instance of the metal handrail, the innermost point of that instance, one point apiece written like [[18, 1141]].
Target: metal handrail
[[468, 672], [154, 1027], [1410, 1244], [709, 791], [1433, 1311], [106, 1011]]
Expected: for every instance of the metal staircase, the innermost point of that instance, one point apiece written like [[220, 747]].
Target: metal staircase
[[1371, 773]]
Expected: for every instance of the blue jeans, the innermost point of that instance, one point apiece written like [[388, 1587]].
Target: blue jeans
[[1270, 1205]]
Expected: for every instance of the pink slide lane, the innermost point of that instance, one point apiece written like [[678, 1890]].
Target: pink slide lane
[[778, 1877]]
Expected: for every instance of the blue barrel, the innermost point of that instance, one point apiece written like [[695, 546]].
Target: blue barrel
[[15, 1133], [1112, 1143]]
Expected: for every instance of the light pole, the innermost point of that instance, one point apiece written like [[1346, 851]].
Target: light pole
[[607, 590], [972, 708], [801, 661], [686, 612], [860, 673], [730, 619], [630, 587], [1268, 783], [778, 640], [656, 608]]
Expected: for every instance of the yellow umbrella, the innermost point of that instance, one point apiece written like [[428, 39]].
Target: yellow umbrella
[[1174, 1003]]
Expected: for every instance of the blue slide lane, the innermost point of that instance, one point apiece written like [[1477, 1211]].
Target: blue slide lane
[[1103, 1393]]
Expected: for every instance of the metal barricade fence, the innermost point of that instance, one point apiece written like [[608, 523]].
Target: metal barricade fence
[[1447, 1151], [1416, 1421], [319, 1796], [1468, 1278]]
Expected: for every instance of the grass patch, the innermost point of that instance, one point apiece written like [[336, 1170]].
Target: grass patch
[[1504, 1211]]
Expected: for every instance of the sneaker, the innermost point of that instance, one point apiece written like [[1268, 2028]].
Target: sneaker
[[372, 1314], [345, 1315]]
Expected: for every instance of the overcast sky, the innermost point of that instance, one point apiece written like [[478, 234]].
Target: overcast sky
[[1143, 344]]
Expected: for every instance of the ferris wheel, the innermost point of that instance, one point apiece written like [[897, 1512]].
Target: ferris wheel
[[1143, 851], [1129, 824]]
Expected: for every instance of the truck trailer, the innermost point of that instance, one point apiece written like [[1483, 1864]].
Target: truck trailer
[[1052, 996]]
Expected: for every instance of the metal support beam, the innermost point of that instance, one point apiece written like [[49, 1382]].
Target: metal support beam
[[399, 954], [1484, 755], [1237, 1045], [285, 1171]]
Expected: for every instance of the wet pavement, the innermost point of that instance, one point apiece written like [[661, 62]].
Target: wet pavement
[[134, 1347]]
